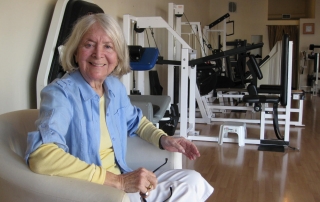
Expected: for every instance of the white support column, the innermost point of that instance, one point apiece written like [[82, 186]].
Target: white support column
[[177, 44], [224, 41], [192, 97], [300, 112], [170, 69], [288, 107], [262, 121], [184, 92], [315, 85]]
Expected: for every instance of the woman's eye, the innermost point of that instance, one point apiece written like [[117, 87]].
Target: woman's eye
[[109, 48], [88, 45]]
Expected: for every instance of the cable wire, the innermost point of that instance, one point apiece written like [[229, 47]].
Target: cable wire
[[148, 38], [152, 34]]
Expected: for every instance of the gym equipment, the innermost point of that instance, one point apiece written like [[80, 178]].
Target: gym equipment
[[154, 107], [273, 94], [312, 46], [313, 79]]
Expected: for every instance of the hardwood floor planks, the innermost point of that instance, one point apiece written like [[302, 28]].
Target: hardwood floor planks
[[244, 174]]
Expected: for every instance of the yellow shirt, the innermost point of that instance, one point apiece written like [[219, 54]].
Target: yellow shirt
[[106, 149]]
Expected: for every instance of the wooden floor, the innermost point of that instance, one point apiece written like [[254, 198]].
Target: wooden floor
[[244, 174]]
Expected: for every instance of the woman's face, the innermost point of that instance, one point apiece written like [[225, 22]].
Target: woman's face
[[96, 55]]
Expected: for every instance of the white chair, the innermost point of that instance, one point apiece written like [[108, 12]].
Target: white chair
[[19, 183]]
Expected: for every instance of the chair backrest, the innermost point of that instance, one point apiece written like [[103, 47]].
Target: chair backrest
[[284, 70], [14, 128]]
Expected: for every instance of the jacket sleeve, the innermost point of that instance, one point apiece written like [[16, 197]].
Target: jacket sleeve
[[51, 160], [54, 119], [149, 132]]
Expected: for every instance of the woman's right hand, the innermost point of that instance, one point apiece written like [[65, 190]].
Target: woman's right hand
[[140, 180]]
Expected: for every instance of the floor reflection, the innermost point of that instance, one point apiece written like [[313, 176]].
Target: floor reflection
[[240, 169]]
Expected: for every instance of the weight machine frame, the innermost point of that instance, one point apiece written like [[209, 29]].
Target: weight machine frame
[[187, 125]]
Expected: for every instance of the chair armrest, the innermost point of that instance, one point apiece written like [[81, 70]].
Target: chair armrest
[[18, 182], [141, 153], [162, 101], [146, 108]]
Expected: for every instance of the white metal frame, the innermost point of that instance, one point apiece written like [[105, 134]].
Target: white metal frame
[[48, 52], [212, 109], [221, 31], [174, 50], [315, 83], [195, 30], [187, 126]]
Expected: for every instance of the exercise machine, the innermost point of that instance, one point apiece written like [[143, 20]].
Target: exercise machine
[[315, 77]]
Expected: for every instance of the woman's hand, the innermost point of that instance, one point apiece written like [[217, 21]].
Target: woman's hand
[[180, 144], [141, 180]]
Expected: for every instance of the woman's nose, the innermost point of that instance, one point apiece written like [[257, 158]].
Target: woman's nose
[[98, 52]]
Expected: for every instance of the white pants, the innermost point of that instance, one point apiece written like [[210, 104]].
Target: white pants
[[187, 185]]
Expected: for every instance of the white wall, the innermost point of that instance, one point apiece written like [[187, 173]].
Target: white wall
[[23, 29]]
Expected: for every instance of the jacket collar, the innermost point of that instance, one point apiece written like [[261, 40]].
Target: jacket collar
[[86, 90]]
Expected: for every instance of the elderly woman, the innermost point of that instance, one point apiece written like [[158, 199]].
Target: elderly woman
[[86, 117]]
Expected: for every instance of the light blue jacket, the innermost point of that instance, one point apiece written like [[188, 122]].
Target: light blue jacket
[[69, 117]]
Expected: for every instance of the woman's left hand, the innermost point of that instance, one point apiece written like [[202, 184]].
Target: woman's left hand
[[180, 144]]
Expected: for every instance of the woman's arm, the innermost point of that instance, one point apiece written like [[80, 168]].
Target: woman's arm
[[159, 138], [149, 132], [49, 159], [180, 144]]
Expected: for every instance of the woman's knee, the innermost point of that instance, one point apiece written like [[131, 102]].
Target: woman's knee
[[184, 175], [194, 175]]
